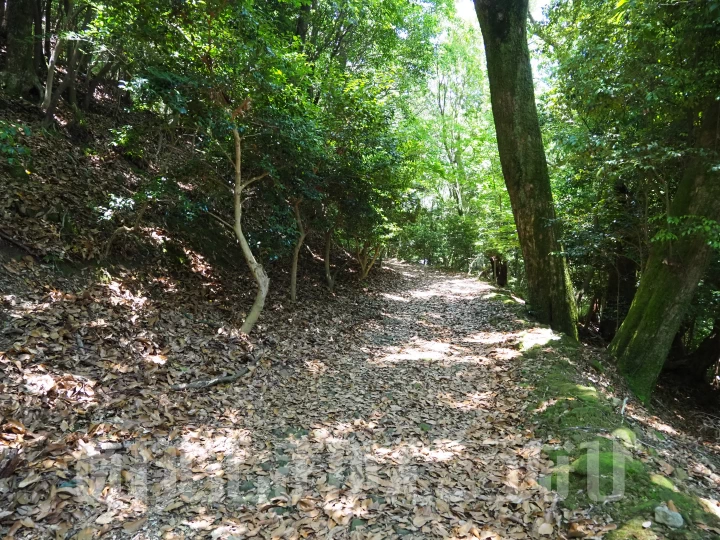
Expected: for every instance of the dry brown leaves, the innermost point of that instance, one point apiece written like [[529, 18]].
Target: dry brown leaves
[[397, 411]]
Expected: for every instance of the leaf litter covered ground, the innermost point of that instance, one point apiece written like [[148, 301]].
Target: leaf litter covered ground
[[401, 410]]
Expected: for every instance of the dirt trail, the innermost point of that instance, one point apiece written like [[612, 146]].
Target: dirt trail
[[414, 429], [412, 423]]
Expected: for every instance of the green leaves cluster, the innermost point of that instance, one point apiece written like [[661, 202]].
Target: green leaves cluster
[[313, 87], [627, 83], [13, 152], [458, 208]]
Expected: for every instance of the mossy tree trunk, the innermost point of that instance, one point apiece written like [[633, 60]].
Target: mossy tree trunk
[[673, 270], [20, 72], [522, 156]]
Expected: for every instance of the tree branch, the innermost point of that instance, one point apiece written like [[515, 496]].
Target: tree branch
[[254, 179], [221, 220]]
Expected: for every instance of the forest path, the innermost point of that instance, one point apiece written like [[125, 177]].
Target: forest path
[[414, 428], [398, 411]]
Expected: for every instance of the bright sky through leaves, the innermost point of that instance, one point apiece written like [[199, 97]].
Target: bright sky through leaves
[[466, 9]]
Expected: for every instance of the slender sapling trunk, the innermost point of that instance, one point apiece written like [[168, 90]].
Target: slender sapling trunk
[[256, 269], [296, 251]]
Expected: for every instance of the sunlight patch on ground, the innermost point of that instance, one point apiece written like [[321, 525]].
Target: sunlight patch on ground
[[394, 297], [654, 422], [506, 354], [198, 448], [422, 350], [125, 297], [456, 288], [316, 367], [158, 359], [537, 336], [489, 338], [71, 388], [440, 450], [470, 402], [711, 506]]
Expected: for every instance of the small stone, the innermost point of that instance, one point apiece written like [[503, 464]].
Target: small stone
[[627, 436], [667, 517], [647, 524]]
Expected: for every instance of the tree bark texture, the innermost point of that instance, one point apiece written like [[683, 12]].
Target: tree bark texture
[[522, 156], [38, 54], [621, 287]]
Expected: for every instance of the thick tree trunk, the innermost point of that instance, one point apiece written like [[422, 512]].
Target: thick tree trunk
[[501, 272], [672, 272], [296, 251], [48, 22], [694, 367], [20, 73], [503, 25]]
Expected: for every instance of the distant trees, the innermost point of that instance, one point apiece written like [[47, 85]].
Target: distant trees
[[457, 212]]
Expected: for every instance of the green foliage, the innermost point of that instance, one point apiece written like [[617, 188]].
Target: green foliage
[[680, 226], [314, 91], [625, 86], [13, 152], [457, 210]]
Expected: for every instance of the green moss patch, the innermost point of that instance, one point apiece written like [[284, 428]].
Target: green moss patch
[[594, 458], [626, 435]]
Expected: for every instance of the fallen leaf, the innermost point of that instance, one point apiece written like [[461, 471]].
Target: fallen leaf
[[131, 527], [546, 529]]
